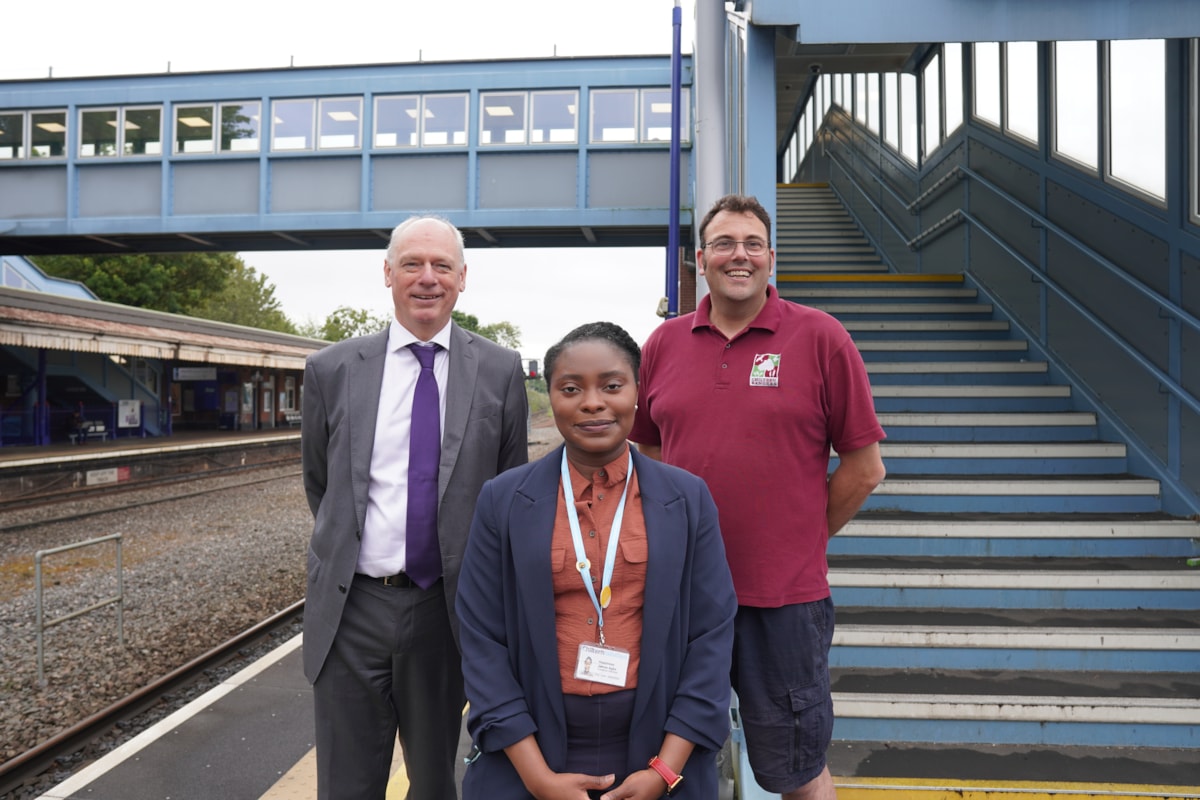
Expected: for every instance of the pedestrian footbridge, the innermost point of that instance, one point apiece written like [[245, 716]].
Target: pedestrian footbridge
[[541, 152]]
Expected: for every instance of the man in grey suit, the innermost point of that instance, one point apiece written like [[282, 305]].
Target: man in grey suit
[[380, 650]]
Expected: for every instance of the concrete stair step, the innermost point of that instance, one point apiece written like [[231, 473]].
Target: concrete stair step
[[1013, 536], [1040, 494]]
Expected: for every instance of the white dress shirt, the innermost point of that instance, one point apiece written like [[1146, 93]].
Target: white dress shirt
[[382, 551]]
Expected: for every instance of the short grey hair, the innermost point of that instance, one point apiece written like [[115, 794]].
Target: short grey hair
[[403, 227]]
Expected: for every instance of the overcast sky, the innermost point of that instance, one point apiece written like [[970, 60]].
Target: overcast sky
[[543, 292]]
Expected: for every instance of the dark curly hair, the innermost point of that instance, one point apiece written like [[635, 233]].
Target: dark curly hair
[[595, 331]]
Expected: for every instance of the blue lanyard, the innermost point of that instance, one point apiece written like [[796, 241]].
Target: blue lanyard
[[581, 560]]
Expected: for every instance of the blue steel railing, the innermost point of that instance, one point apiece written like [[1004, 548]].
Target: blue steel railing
[[1168, 473]]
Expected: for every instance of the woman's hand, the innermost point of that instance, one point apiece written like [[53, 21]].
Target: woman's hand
[[567, 785], [645, 784]]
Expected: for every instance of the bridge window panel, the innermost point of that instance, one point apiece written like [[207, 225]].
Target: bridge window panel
[[194, 129], [837, 88], [873, 102], [953, 83], [891, 110], [1075, 129], [908, 117], [396, 121], [1021, 90], [47, 134], [98, 132], [827, 89], [241, 127], [554, 117], [860, 97], [986, 61], [805, 138], [292, 124], [1137, 114], [656, 115], [502, 118], [444, 120], [12, 135], [614, 115], [932, 76], [141, 131], [340, 126], [1195, 128], [848, 92]]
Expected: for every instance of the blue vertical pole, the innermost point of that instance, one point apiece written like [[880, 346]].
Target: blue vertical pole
[[673, 223]]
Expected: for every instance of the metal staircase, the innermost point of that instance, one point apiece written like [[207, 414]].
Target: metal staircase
[[1011, 597]]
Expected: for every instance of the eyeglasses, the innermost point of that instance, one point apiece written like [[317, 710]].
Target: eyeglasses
[[725, 247]]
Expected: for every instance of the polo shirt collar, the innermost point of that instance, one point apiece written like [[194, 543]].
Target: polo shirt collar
[[768, 316]]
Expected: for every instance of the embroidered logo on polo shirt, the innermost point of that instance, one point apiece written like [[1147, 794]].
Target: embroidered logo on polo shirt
[[765, 370]]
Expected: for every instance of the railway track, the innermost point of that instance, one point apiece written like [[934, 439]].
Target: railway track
[[27, 768], [71, 505], [209, 469]]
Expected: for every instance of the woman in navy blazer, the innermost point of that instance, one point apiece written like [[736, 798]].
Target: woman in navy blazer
[[506, 605]]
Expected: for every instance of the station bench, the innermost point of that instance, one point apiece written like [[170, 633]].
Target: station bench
[[89, 429]]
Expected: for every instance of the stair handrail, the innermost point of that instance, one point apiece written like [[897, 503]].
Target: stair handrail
[[1150, 294], [1166, 380], [935, 230], [954, 174], [836, 160]]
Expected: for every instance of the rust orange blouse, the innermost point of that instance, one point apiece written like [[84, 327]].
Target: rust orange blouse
[[596, 503]]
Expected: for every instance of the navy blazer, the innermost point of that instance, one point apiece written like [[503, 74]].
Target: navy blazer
[[510, 651]]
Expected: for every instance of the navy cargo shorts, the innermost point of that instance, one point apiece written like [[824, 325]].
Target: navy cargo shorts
[[781, 675]]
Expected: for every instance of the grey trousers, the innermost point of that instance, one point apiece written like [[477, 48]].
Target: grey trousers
[[393, 669]]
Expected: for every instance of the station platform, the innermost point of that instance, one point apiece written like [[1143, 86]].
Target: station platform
[[18, 456], [251, 738]]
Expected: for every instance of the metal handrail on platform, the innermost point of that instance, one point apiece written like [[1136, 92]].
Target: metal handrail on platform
[[43, 624]]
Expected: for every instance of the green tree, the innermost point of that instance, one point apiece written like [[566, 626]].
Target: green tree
[[173, 282], [216, 286], [503, 333], [248, 298], [345, 322]]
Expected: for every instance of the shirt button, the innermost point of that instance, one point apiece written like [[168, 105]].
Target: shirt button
[[601, 497], [589, 620], [724, 366], [603, 474], [728, 345], [592, 534]]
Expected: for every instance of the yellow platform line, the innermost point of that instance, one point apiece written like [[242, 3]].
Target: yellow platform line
[[890, 277], [880, 788]]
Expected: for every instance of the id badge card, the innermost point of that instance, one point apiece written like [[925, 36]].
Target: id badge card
[[602, 664]]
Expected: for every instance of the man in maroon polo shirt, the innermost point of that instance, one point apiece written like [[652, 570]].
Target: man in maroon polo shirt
[[750, 392]]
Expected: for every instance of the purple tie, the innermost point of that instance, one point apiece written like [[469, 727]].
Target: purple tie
[[423, 556]]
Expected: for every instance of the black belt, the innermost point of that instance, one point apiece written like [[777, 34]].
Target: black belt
[[399, 579]]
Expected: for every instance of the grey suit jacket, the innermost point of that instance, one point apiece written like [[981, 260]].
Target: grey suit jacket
[[485, 433]]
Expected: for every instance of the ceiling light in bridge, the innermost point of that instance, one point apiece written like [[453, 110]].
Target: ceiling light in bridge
[[195, 122], [660, 108], [499, 111], [52, 127], [342, 116]]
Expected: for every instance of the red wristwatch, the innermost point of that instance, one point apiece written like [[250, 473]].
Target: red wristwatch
[[667, 774]]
